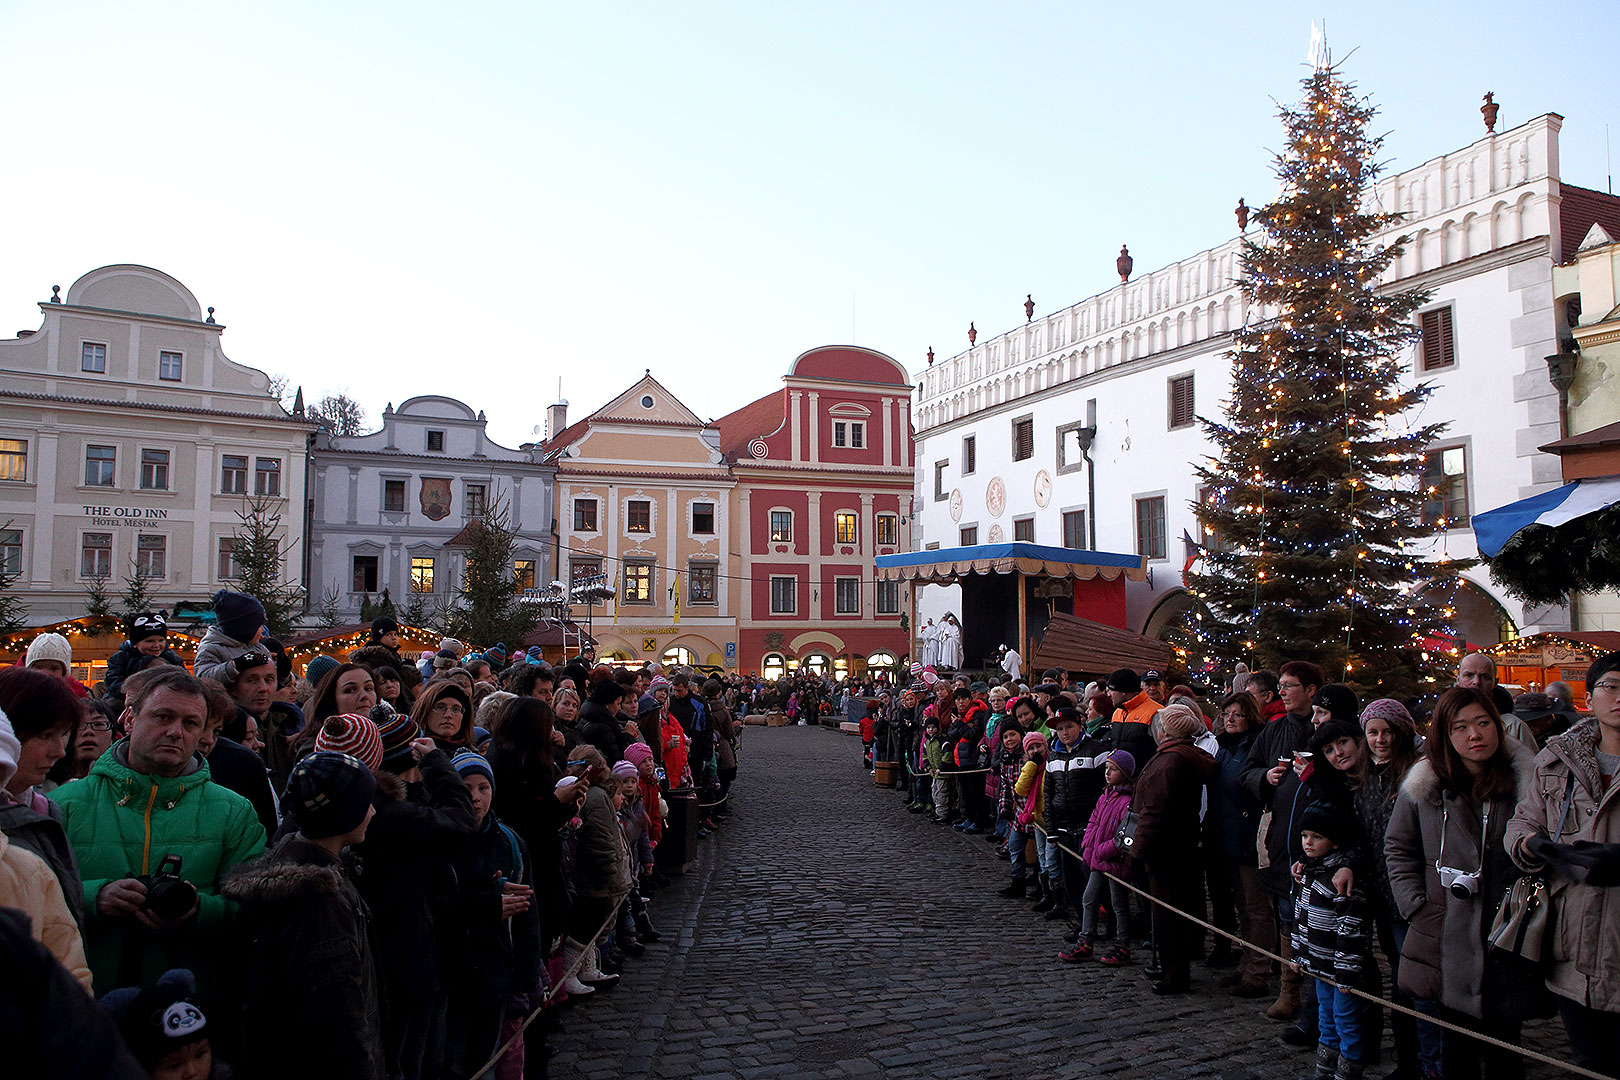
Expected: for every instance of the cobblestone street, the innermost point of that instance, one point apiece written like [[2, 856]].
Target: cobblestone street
[[824, 933]]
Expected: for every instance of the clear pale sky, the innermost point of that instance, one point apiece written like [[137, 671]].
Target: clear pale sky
[[475, 199]]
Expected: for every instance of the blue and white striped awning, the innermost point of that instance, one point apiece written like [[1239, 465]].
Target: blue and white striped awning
[[1494, 528]]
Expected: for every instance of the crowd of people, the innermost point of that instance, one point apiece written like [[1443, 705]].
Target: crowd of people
[[384, 868], [1309, 826]]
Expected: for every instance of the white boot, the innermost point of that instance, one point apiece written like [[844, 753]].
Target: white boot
[[571, 985], [590, 973]]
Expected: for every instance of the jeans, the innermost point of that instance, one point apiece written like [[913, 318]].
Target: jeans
[[1047, 853], [1338, 1020], [1119, 902], [1017, 840], [1430, 1040], [1594, 1035]]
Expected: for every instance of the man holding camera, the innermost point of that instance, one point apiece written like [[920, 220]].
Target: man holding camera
[[153, 835]]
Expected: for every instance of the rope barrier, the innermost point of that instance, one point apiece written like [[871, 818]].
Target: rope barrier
[[1533, 1055]]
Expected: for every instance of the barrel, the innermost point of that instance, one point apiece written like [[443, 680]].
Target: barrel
[[885, 773]]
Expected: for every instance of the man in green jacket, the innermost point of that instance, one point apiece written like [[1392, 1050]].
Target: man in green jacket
[[149, 797]]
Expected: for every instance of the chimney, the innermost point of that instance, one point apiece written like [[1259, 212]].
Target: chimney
[[556, 418]]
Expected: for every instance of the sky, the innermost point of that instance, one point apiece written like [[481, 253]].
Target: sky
[[479, 199]]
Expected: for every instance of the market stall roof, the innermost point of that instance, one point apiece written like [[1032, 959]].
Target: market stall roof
[[1093, 648], [1592, 643], [1494, 528], [948, 564], [556, 632]]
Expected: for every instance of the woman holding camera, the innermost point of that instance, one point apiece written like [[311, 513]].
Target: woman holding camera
[[1448, 868]]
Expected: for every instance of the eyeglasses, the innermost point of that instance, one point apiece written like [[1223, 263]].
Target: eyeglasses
[[1608, 687], [1290, 685], [98, 725]]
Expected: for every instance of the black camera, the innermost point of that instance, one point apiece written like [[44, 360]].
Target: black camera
[[168, 895]]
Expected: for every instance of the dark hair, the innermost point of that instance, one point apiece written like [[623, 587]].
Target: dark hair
[[1009, 725], [167, 677], [963, 693], [1024, 700], [444, 688], [606, 692], [528, 675], [1060, 701], [524, 734], [1497, 778], [680, 678], [626, 677], [1245, 701], [38, 703], [1307, 673], [221, 706], [1600, 667], [323, 702], [283, 662], [1265, 680]]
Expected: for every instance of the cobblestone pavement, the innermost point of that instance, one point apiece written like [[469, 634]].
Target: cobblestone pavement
[[824, 932]]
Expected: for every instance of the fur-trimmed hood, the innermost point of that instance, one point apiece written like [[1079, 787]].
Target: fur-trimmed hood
[[390, 788], [1421, 782], [1577, 748], [294, 869]]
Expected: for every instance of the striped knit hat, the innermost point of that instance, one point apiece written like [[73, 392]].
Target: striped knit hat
[[353, 734], [469, 762], [397, 731]]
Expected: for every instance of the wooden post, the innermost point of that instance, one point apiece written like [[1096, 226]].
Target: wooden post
[[911, 631], [1023, 626]]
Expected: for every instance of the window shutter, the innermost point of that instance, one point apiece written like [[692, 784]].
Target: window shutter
[[1181, 401], [1439, 346], [1023, 440]]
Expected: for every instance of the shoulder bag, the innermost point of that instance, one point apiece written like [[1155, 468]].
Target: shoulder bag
[[1523, 924]]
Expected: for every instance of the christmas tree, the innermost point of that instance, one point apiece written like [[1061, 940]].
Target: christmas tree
[[492, 607], [1312, 496], [258, 556]]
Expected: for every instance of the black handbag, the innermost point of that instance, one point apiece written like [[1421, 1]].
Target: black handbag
[[1125, 835]]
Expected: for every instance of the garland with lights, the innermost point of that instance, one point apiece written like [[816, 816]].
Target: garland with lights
[[1312, 506]]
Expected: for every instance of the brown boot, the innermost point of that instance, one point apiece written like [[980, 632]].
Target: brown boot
[[1286, 1007]]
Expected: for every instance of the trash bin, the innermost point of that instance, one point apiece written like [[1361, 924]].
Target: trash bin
[[677, 850]]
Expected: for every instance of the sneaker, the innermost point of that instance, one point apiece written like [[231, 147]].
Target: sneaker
[[1080, 950], [1119, 956]]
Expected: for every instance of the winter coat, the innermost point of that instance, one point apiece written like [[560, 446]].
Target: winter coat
[[601, 865], [1375, 802], [1074, 781], [1283, 848], [1233, 820], [311, 1007], [1444, 958], [1278, 739], [933, 755], [1586, 919], [1008, 766], [27, 884], [406, 855], [121, 824], [236, 768], [36, 825], [216, 656], [48, 1025], [1132, 726], [127, 661], [527, 804], [490, 957], [1332, 933], [1169, 791], [725, 732], [603, 730], [676, 746], [1098, 849], [1026, 789]]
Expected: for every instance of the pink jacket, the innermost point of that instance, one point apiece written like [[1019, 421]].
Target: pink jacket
[[1097, 848]]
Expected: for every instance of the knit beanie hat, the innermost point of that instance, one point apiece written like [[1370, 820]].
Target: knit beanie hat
[[1124, 760], [1179, 722], [469, 762], [658, 681], [444, 660], [10, 750], [381, 626], [239, 615], [147, 624], [328, 793], [1390, 712], [497, 650], [451, 646], [1125, 681], [396, 731], [159, 1020], [624, 770], [1034, 740], [1329, 820], [637, 752], [1337, 699], [352, 734], [49, 647], [318, 667]]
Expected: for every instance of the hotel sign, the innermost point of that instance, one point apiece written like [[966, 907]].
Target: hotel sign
[[131, 516]]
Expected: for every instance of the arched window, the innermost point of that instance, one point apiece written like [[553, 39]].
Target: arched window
[[680, 655], [773, 666], [816, 663], [882, 659]]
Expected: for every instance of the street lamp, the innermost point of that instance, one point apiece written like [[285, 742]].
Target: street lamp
[[1087, 436]]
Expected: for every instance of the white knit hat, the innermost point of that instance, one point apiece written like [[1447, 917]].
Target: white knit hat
[[50, 647], [10, 751]]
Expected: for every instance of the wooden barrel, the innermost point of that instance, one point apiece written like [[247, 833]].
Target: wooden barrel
[[885, 773]]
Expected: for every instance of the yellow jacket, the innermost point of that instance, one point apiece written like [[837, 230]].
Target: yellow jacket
[[1026, 784], [27, 883]]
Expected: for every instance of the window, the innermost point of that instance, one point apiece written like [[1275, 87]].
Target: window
[[93, 357], [1206, 533], [169, 366], [638, 583], [422, 575], [10, 551], [100, 466], [784, 595], [581, 569], [523, 573], [888, 598], [152, 556], [773, 665], [969, 535], [847, 596], [233, 474], [477, 500], [888, 529], [849, 433], [970, 454], [782, 526], [1074, 529], [435, 442], [700, 581], [847, 527], [703, 518], [394, 496], [1024, 530], [584, 515], [1023, 438], [14, 459], [1150, 527], [267, 476], [95, 555], [1445, 487], [1181, 402], [229, 566], [638, 516], [939, 480], [365, 574], [1439, 342], [154, 470]]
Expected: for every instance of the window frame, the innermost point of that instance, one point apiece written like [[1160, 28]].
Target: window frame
[[846, 527], [434, 435], [179, 365], [967, 535], [1174, 419], [595, 507], [592, 563], [640, 569], [714, 517], [970, 454], [1020, 522], [225, 471], [522, 567], [940, 493], [630, 517], [1438, 452], [354, 573], [13, 456], [1069, 517], [792, 594], [85, 357], [703, 572], [1137, 503], [388, 485], [778, 536], [11, 552], [227, 567], [259, 473], [164, 465], [473, 506], [112, 463], [1023, 424], [1445, 343], [886, 529], [423, 569], [881, 607], [841, 584], [85, 547], [849, 434], [152, 544]]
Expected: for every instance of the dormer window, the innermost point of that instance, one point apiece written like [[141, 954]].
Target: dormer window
[[435, 442], [849, 433]]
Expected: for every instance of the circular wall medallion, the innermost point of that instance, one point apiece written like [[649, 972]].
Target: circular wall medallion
[[995, 497], [1043, 488], [757, 448], [996, 535], [956, 504]]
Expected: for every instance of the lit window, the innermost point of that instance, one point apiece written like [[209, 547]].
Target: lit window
[[782, 526], [700, 584], [888, 598], [14, 459], [169, 366], [155, 470], [152, 556], [1445, 487], [95, 555], [703, 519], [523, 573], [847, 526], [773, 665], [638, 516], [100, 466], [784, 595], [93, 357], [638, 583], [422, 575], [888, 529], [847, 596], [394, 496], [233, 474], [267, 476], [584, 515]]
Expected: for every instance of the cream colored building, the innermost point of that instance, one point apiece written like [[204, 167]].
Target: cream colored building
[[128, 439]]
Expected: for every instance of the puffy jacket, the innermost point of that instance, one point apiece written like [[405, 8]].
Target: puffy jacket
[[1098, 849], [602, 730], [1234, 813], [121, 824], [216, 656], [1586, 919], [1169, 792], [36, 825], [1132, 725], [1025, 788], [601, 865], [1332, 936], [28, 885], [127, 661], [1074, 781], [309, 968]]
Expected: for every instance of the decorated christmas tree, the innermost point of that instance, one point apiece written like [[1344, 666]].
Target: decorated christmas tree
[[1312, 501]]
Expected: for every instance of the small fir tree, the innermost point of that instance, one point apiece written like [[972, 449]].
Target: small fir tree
[[1313, 504], [97, 598], [416, 609], [331, 599], [491, 607], [13, 612], [137, 594], [258, 556]]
